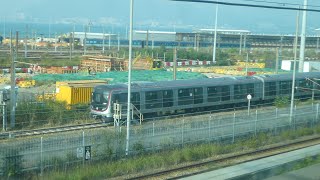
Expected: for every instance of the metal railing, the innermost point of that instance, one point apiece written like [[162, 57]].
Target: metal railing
[[135, 111]]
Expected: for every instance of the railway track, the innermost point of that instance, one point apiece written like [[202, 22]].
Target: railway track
[[51, 130], [24, 133], [228, 160]]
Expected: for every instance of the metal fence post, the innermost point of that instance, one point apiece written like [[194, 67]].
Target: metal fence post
[[182, 131], [317, 113], [234, 121], [294, 116], [41, 156], [313, 122], [152, 129], [210, 128], [4, 117], [255, 124], [83, 145], [276, 113]]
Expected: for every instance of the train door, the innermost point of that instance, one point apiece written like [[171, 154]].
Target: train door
[[167, 100], [198, 95]]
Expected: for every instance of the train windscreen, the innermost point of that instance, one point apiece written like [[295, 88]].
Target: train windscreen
[[100, 100]]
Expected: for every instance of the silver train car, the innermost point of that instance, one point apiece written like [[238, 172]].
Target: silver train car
[[183, 96]]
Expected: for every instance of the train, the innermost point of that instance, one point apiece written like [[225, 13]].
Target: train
[[184, 96]]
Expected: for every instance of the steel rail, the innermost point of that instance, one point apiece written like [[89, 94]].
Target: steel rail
[[274, 150]]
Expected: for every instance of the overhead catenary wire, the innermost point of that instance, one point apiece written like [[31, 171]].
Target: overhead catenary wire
[[279, 3], [250, 5]]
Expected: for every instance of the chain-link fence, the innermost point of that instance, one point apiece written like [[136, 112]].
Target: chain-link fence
[[66, 149], [36, 110]]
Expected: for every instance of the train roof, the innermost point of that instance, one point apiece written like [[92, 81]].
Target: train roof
[[288, 76], [220, 81]]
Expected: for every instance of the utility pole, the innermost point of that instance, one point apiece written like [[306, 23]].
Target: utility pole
[[247, 60], [85, 40], [152, 42], [74, 29], [56, 39], [49, 30], [195, 41], [4, 116], [277, 60], [303, 36], [109, 40], [294, 66], [175, 64], [215, 36], [70, 46], [4, 27], [118, 42], [26, 43], [147, 41], [103, 39], [240, 48], [129, 79], [13, 81]]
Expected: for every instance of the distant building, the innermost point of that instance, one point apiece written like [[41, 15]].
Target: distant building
[[226, 38], [91, 38], [309, 66]]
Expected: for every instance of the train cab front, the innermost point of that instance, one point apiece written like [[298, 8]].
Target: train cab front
[[100, 104]]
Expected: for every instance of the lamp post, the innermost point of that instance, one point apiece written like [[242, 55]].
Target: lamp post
[[103, 38], [294, 67], [129, 78], [247, 60], [317, 48]]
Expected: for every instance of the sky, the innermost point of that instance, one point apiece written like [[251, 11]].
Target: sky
[[152, 14]]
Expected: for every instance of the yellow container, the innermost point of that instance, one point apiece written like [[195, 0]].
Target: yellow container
[[74, 95], [76, 92]]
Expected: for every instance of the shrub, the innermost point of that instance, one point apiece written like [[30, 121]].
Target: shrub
[[12, 163], [281, 101]]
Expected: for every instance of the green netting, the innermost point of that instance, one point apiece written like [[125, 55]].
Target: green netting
[[119, 76]]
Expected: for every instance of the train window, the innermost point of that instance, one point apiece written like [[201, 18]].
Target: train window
[[153, 99], [241, 91], [167, 98], [225, 93], [198, 95], [123, 98], [316, 86], [304, 86], [214, 94], [270, 89], [185, 96], [237, 92], [285, 87], [250, 89], [135, 99]]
